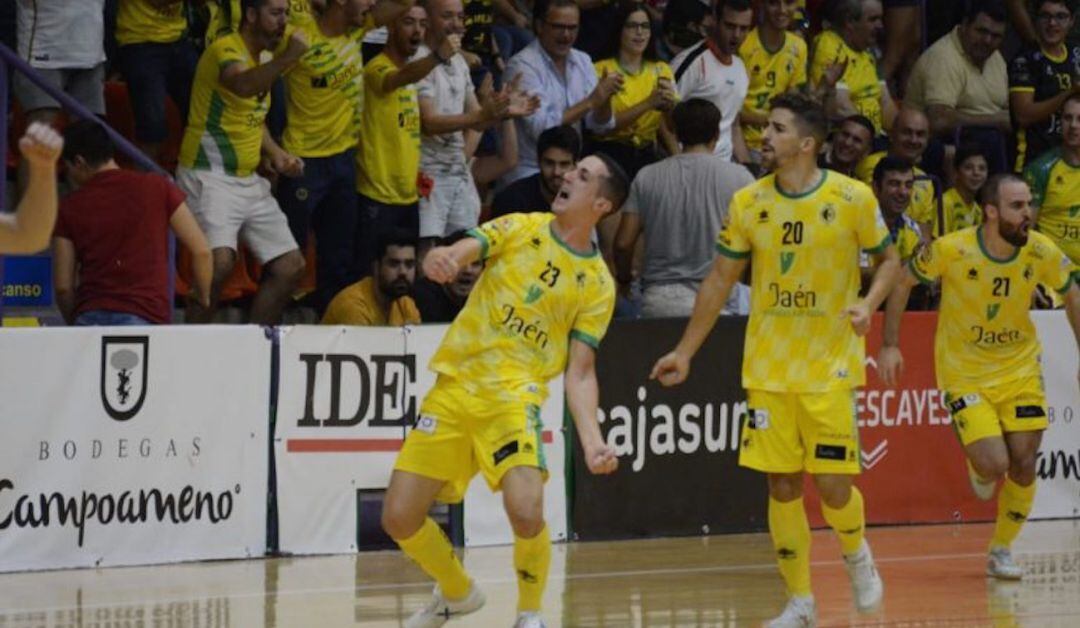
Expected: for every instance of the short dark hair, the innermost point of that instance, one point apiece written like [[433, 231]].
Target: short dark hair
[[563, 136], [1068, 4], [677, 18], [888, 164], [734, 5], [993, 9], [862, 121], [966, 151], [990, 194], [89, 140], [843, 12], [614, 42], [616, 184], [697, 121], [393, 237], [542, 7], [249, 4], [809, 114]]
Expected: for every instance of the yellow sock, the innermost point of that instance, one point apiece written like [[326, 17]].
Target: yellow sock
[[1014, 504], [430, 548], [790, 533], [848, 522], [532, 557]]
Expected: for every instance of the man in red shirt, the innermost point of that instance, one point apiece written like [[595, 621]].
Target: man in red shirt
[[110, 246]]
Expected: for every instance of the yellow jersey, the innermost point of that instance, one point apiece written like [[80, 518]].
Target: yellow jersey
[[860, 78], [388, 160], [139, 21], [957, 213], [325, 94], [805, 252], [224, 131], [534, 295], [1055, 190], [906, 235], [636, 88], [985, 336], [923, 207], [772, 72]]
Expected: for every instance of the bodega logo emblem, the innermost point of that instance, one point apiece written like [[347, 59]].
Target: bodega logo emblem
[[123, 374]]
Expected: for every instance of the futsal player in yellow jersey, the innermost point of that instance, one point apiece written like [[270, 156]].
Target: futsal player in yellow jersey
[[775, 59], [540, 307], [1055, 184], [803, 230], [986, 352]]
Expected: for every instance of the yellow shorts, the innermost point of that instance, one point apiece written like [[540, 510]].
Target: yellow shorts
[[1018, 406], [459, 433], [792, 432]]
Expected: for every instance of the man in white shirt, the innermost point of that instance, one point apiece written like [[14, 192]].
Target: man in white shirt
[[713, 71]]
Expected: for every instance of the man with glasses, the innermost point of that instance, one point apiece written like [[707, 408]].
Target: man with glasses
[[1040, 80], [565, 79]]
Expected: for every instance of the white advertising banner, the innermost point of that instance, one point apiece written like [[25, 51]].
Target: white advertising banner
[[347, 397], [132, 445], [1058, 493]]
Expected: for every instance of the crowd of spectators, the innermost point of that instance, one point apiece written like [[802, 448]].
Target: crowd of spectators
[[352, 135]]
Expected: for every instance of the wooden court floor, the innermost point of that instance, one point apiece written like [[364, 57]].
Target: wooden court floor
[[933, 577]]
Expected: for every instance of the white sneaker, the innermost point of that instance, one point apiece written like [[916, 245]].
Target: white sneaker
[[983, 489], [866, 585], [529, 620], [800, 612], [1001, 565], [440, 610]]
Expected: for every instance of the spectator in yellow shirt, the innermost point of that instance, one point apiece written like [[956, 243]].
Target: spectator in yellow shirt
[[384, 298], [959, 205], [647, 94]]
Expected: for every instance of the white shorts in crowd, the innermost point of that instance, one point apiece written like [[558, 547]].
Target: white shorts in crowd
[[452, 205], [676, 300], [229, 208]]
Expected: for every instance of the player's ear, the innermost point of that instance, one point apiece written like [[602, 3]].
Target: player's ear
[[603, 205]]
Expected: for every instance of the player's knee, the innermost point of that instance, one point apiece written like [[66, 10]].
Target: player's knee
[[526, 517], [785, 487], [398, 522], [1022, 469], [991, 467]]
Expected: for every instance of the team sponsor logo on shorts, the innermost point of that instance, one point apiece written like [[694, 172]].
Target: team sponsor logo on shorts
[[426, 424], [757, 419], [506, 451], [831, 452], [958, 404], [1030, 412]]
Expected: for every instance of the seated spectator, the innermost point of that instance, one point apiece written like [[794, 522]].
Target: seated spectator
[[384, 297], [647, 94], [223, 144], [64, 42], [908, 140], [451, 118], [844, 68], [564, 78], [894, 185], [157, 61], [559, 149], [27, 230], [680, 204], [713, 70], [961, 80], [388, 161], [440, 303], [1055, 184], [960, 205], [850, 145], [1040, 79], [111, 245], [775, 59]]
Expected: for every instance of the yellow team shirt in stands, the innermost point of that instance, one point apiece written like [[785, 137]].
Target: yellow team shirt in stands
[[636, 88], [923, 207], [860, 78], [772, 72], [224, 131], [985, 336], [534, 296], [225, 18], [357, 305], [958, 213], [388, 160], [804, 254], [906, 235], [1055, 190], [324, 94], [139, 22]]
